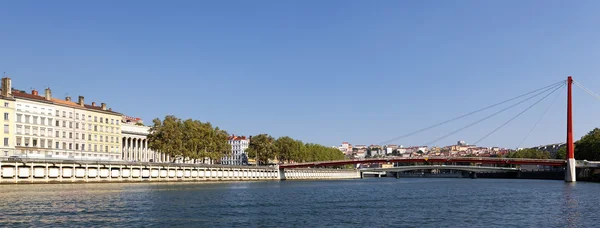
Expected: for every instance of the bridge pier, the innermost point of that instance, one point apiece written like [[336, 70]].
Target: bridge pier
[[473, 175]]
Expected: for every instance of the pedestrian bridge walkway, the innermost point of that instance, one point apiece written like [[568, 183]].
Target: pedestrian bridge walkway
[[477, 169]]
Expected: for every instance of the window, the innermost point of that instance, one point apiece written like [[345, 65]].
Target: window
[[34, 142], [83, 136], [27, 130], [6, 113], [64, 146], [106, 120], [70, 146], [76, 135], [82, 146], [95, 137], [64, 123], [101, 138], [95, 147], [57, 134], [90, 138], [5, 141], [106, 149], [76, 116], [70, 115], [43, 121], [42, 131], [95, 119], [58, 123], [70, 135], [76, 146], [112, 121], [6, 128], [57, 114], [64, 114], [35, 120], [64, 134], [18, 141], [42, 143], [89, 127], [89, 118], [57, 145], [95, 127], [5, 104], [76, 125], [49, 143], [70, 124], [19, 120], [50, 121], [35, 130]]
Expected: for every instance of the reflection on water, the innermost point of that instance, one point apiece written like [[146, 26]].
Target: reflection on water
[[353, 203]]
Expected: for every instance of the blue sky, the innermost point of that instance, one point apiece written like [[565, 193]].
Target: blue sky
[[319, 71]]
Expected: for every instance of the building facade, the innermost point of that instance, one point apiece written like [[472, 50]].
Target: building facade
[[238, 155], [135, 143], [48, 127], [7, 109]]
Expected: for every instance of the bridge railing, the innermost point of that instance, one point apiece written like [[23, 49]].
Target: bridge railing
[[553, 162]]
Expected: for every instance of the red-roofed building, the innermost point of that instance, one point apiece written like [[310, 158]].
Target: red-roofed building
[[238, 155]]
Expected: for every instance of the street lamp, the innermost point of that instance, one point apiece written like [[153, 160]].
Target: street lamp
[[27, 150]]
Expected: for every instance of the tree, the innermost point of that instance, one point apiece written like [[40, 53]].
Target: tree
[[262, 148], [530, 153], [167, 136], [588, 147], [139, 124], [189, 139], [287, 148]]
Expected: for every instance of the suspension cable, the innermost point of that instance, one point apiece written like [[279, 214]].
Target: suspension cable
[[520, 113], [541, 117], [470, 113], [492, 115], [587, 90]]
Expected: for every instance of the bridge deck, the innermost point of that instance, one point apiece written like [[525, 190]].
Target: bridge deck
[[479, 160]]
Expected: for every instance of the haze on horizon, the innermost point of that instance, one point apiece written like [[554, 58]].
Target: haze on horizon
[[319, 71]]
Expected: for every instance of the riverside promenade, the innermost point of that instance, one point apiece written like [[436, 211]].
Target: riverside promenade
[[64, 171]]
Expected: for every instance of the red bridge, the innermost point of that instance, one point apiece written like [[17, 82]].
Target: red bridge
[[478, 160], [569, 163]]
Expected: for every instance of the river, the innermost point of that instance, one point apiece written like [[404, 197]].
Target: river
[[371, 202]]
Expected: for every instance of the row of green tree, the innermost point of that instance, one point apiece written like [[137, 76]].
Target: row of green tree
[[194, 140], [188, 139], [587, 148], [266, 149]]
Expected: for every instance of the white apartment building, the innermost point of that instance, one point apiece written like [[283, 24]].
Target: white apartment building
[[47, 127], [238, 155]]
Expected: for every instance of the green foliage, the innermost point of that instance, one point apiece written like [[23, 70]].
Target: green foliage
[[190, 139], [286, 149], [561, 153], [262, 148], [588, 147], [139, 124], [530, 153]]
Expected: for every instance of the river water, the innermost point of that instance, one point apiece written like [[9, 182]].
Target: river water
[[409, 202]]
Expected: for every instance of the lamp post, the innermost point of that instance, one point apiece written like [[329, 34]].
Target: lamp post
[[27, 150]]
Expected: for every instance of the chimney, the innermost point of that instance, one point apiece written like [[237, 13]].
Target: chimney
[[48, 94], [93, 103], [68, 98], [34, 92], [103, 105], [81, 101], [6, 87], [109, 109]]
